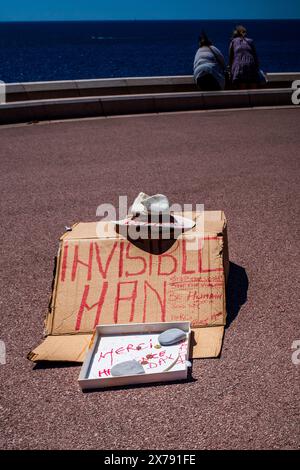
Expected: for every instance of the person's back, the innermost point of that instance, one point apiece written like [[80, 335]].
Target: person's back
[[209, 66], [243, 60]]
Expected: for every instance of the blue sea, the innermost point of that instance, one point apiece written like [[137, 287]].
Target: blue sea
[[100, 49]]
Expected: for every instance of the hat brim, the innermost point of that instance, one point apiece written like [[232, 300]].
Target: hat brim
[[181, 223]]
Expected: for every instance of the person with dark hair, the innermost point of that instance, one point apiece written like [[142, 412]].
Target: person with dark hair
[[209, 66], [243, 60]]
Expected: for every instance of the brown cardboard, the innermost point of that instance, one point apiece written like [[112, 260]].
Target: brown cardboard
[[61, 348], [102, 278]]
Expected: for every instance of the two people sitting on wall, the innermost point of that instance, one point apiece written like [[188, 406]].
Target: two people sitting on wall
[[243, 72]]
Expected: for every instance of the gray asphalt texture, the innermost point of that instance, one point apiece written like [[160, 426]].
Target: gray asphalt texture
[[244, 162]]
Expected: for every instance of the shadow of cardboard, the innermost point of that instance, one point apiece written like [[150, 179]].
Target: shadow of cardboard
[[41, 365], [237, 288]]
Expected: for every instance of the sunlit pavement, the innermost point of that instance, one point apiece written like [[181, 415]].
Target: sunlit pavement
[[243, 162]]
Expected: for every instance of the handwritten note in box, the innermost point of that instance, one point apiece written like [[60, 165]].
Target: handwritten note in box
[[113, 344]]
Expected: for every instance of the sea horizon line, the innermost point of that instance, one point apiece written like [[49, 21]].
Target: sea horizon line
[[148, 20]]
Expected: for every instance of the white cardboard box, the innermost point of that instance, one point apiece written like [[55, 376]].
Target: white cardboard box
[[112, 344]]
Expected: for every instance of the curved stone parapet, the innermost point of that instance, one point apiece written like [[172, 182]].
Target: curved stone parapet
[[120, 86], [82, 107]]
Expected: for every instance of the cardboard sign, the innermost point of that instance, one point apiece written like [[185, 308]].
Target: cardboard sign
[[106, 279]]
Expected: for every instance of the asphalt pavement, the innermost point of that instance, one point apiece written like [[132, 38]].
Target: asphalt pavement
[[245, 162]]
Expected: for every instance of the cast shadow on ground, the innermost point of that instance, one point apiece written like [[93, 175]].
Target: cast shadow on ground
[[237, 287], [54, 365]]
